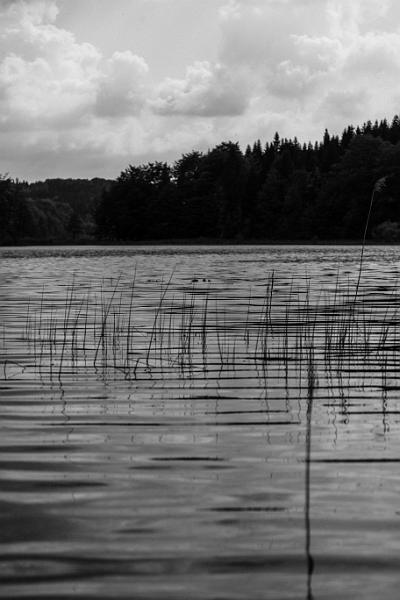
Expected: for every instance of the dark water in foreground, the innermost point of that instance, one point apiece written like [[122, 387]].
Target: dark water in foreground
[[199, 423]]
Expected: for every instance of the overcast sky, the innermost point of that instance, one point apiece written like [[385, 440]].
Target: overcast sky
[[90, 86]]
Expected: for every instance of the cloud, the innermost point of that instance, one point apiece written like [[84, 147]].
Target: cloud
[[322, 60], [46, 77], [30, 11], [345, 105], [206, 91], [123, 86], [319, 53], [60, 97], [258, 33], [296, 66], [374, 54]]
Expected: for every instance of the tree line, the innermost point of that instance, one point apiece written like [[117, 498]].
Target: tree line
[[283, 191], [277, 192], [54, 211]]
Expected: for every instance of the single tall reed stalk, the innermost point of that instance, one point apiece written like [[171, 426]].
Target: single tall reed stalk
[[311, 384], [378, 187]]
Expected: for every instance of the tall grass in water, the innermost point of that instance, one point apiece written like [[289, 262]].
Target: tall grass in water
[[109, 330]]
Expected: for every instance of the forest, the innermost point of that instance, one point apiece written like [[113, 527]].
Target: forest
[[54, 211], [282, 191]]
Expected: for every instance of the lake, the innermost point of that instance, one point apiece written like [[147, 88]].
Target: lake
[[197, 422]]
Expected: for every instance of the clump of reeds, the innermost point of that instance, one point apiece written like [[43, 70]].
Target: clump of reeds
[[108, 331]]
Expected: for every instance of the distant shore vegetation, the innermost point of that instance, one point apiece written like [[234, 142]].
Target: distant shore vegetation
[[274, 192]]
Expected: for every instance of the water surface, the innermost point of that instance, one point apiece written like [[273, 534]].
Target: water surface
[[199, 422]]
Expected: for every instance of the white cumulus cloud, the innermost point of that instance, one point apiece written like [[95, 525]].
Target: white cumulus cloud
[[206, 91], [58, 95], [46, 77], [123, 86], [297, 66], [322, 61]]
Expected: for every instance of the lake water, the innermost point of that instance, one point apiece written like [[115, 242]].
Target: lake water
[[213, 423]]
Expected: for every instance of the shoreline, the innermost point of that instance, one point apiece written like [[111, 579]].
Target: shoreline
[[199, 242]]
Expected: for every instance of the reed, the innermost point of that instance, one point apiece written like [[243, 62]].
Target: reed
[[105, 311], [158, 309], [128, 340], [379, 185], [287, 339]]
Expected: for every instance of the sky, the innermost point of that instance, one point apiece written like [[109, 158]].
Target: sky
[[88, 87]]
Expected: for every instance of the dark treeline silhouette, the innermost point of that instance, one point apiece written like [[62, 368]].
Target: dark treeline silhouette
[[282, 191], [51, 211]]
